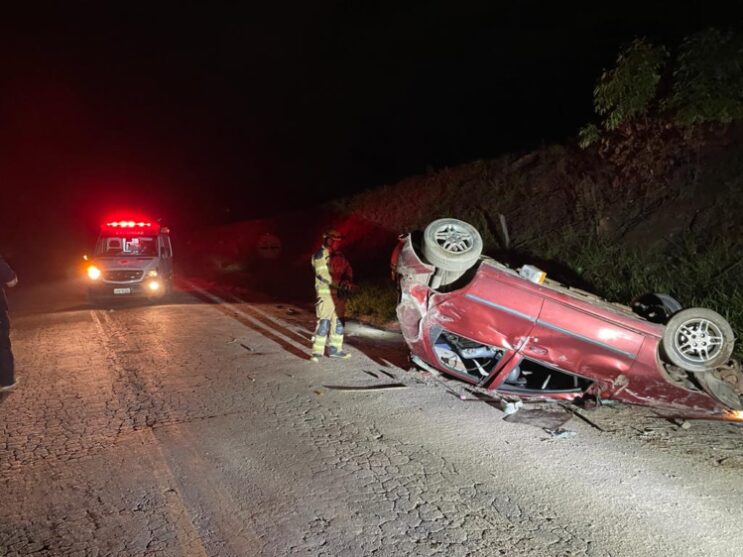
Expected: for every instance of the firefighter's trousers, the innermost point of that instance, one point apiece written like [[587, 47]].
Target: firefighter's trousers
[[330, 314], [7, 376]]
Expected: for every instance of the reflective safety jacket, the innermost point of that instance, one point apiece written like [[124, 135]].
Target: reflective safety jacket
[[332, 271]]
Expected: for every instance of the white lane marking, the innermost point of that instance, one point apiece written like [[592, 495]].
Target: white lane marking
[[187, 535], [267, 315], [296, 329], [256, 322], [97, 322], [110, 324]]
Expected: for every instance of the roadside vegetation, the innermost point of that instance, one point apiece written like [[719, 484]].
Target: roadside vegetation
[[374, 302], [649, 198]]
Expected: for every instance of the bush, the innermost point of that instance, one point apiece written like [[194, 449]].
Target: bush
[[373, 301], [699, 273]]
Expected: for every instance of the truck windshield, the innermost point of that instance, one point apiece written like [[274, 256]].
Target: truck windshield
[[126, 245]]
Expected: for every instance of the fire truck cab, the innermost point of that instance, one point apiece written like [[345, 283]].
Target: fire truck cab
[[131, 258]]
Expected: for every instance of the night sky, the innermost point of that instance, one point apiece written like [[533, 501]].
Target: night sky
[[209, 114]]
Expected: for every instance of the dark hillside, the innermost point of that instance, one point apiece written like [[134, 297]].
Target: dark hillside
[[649, 198], [680, 233], [563, 209]]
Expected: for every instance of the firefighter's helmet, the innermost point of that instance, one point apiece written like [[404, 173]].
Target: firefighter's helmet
[[332, 234]]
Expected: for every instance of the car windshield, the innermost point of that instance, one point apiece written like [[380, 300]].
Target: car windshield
[[127, 245]]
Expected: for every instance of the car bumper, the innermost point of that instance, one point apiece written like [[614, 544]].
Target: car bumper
[[126, 290]]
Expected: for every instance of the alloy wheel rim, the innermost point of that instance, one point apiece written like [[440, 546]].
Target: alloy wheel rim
[[453, 238], [698, 340]]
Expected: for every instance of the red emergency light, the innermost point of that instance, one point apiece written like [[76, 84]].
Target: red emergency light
[[131, 227], [128, 224]]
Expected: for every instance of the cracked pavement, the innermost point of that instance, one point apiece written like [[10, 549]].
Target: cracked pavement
[[198, 427]]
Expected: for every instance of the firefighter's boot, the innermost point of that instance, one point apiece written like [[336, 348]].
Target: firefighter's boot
[[340, 354]]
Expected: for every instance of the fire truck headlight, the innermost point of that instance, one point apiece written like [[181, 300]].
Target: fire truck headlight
[[94, 273], [153, 285]]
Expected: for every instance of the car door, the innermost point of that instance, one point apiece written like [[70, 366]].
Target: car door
[[493, 310], [576, 340]]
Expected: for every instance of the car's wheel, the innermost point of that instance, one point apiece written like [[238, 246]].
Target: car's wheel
[[655, 307], [451, 245], [698, 339]]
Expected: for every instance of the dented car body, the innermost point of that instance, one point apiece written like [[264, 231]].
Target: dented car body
[[493, 328]]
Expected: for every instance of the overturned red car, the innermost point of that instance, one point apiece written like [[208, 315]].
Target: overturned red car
[[527, 336]]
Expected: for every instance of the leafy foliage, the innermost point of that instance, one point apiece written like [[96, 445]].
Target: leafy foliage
[[374, 301], [627, 90], [588, 135], [648, 92], [708, 79]]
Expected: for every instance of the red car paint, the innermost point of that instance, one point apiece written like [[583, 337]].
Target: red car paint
[[612, 350]]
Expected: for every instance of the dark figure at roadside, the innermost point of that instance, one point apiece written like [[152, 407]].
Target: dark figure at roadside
[[8, 279]]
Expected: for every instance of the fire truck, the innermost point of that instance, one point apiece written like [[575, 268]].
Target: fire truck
[[131, 258]]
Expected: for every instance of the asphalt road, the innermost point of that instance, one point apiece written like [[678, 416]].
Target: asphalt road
[[199, 427]]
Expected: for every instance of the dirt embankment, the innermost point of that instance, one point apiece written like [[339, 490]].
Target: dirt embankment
[[552, 195], [675, 228]]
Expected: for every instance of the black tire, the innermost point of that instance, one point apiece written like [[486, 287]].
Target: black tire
[[451, 245], [656, 307], [698, 340]]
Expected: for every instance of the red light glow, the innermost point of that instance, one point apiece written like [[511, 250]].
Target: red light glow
[[126, 227], [129, 224], [734, 415]]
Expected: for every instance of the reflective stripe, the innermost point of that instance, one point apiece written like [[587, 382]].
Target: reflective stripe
[[318, 347], [322, 290], [336, 341]]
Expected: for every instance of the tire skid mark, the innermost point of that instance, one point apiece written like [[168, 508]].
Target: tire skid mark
[[185, 498]]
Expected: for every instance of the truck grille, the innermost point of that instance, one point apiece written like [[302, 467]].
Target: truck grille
[[122, 275]]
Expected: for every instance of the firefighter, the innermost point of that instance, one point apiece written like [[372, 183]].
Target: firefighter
[[333, 283], [8, 279]]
